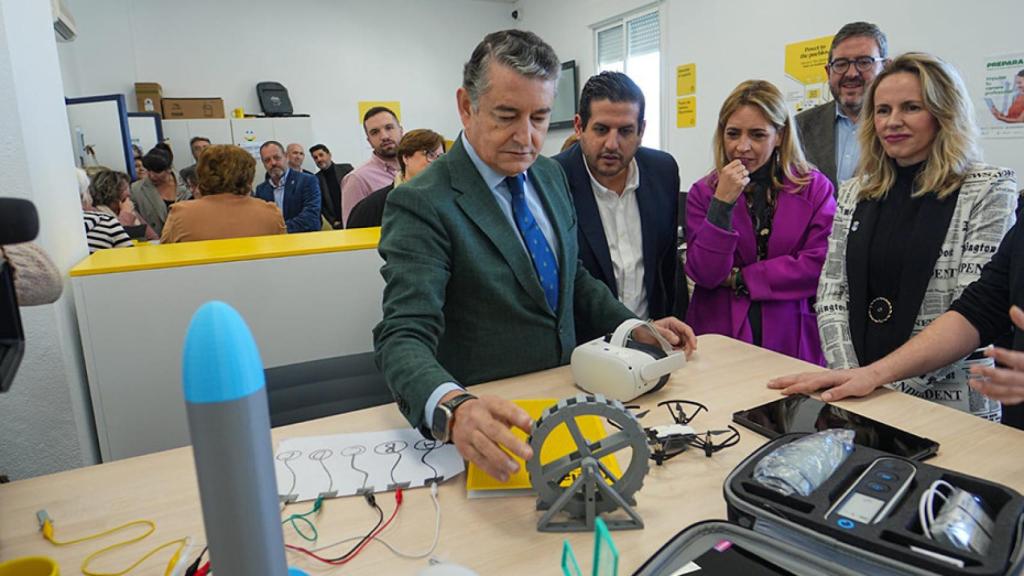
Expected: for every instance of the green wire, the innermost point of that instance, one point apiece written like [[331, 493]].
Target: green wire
[[294, 520]]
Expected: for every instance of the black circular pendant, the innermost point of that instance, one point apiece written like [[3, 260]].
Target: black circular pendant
[[880, 310]]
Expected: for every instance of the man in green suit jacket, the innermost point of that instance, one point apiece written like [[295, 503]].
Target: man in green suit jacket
[[464, 302]]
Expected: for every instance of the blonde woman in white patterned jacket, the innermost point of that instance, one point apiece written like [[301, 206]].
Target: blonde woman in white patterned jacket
[[911, 231]]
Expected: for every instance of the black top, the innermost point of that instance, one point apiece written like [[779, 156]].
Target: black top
[[986, 302], [897, 216], [760, 200], [370, 210], [892, 247], [330, 190]]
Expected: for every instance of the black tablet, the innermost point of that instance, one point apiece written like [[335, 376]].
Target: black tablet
[[799, 413]]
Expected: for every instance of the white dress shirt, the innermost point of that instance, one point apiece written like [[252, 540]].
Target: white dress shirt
[[620, 218]]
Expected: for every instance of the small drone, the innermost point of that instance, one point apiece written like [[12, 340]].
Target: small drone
[[669, 440]]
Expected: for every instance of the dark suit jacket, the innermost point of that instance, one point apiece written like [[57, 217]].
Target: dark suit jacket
[[817, 128], [462, 302], [301, 201], [370, 210], [657, 198], [330, 206]]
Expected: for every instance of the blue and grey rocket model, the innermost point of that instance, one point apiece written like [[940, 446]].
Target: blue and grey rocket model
[[230, 429]]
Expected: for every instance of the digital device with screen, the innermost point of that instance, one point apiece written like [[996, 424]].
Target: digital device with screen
[[874, 495], [564, 109], [12, 337], [799, 413]]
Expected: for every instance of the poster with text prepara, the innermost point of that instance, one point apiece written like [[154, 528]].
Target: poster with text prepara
[[1001, 114]]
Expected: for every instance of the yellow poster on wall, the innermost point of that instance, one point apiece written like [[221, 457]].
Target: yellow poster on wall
[[393, 105], [686, 112], [806, 60], [686, 79]]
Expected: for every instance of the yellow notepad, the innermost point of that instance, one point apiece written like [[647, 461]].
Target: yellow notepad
[[559, 443]]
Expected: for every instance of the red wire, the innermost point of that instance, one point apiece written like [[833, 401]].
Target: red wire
[[340, 561]]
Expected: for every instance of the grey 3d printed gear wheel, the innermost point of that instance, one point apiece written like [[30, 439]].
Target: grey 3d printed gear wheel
[[587, 499]]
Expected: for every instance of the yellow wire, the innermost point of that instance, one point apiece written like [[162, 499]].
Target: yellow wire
[[150, 528]]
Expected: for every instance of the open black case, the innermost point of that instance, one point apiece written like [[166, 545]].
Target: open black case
[[791, 532]]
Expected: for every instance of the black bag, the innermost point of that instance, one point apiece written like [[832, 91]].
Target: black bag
[[274, 99], [789, 533]]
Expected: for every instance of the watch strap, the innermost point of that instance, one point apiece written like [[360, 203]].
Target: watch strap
[[454, 403]]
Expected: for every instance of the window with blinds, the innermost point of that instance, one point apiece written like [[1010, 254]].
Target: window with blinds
[[632, 45]]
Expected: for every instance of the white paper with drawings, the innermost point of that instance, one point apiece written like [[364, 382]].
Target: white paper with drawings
[[348, 464]]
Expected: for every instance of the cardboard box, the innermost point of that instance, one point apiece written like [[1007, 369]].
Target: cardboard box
[[192, 108], [148, 96]]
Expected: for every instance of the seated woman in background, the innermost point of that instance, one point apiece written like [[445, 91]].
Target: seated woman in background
[[109, 191], [416, 150], [102, 230], [225, 208], [140, 171], [191, 179], [756, 267], [914, 227], [154, 194]]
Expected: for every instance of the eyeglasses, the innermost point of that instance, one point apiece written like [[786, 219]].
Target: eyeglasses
[[863, 64], [432, 155]]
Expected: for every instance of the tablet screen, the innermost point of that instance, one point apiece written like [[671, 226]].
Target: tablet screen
[[799, 413]]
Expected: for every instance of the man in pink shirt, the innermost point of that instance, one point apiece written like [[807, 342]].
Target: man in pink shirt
[[383, 133]]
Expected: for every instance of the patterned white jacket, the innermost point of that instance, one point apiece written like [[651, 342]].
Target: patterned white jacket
[[984, 212]]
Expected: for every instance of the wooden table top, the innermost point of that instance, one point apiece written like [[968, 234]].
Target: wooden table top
[[491, 536]]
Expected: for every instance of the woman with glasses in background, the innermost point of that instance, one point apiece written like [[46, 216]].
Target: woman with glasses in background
[[416, 150], [757, 229], [913, 229]]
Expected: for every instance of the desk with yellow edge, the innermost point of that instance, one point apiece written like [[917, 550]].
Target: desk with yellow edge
[[491, 536], [311, 301]]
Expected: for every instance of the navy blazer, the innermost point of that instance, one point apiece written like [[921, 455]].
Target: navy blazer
[[657, 197], [301, 201]]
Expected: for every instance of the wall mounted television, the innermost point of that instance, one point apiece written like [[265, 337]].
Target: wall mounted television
[[566, 101]]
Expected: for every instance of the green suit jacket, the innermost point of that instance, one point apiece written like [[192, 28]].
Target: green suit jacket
[[462, 302]]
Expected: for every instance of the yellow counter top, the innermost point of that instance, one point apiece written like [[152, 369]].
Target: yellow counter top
[[151, 257]]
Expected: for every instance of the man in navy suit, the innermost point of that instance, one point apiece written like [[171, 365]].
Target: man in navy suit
[[297, 194], [626, 198]]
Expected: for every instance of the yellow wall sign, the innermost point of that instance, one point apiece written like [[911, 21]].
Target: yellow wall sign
[[392, 105], [686, 79], [686, 112], [805, 61]]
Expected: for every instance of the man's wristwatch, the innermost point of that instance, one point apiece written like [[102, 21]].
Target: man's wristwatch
[[444, 417]]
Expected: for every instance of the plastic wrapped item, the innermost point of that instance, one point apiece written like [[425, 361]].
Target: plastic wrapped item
[[803, 465]]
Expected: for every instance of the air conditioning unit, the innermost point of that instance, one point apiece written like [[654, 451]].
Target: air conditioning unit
[[63, 22]]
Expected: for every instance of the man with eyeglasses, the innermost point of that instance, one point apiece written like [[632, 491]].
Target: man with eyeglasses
[[828, 132]]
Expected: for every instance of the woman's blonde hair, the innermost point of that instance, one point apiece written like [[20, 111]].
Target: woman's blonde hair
[[768, 100], [955, 146]]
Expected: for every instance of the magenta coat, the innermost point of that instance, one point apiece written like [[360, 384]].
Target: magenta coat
[[784, 283]]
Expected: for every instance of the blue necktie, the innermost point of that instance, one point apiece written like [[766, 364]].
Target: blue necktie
[[536, 244]]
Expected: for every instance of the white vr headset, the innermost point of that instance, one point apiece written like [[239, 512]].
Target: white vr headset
[[622, 368]]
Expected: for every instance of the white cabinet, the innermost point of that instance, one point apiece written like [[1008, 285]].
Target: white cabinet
[[251, 133], [178, 133]]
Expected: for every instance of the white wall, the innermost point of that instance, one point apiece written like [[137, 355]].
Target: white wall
[[45, 418], [742, 39], [330, 54]]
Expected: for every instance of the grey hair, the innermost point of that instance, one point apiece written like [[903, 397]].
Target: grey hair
[[860, 29], [521, 51]]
